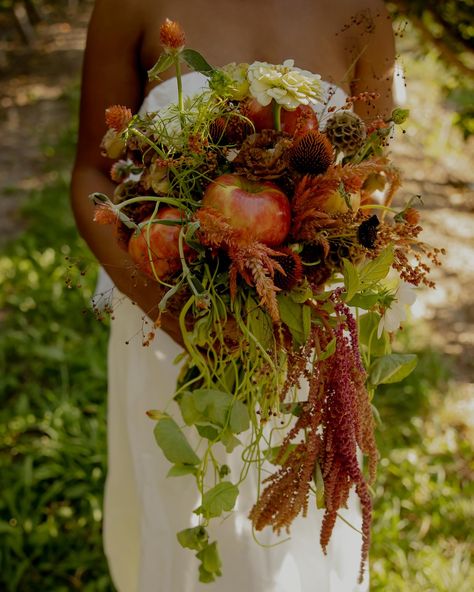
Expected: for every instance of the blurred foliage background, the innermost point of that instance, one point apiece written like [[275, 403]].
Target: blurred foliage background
[[53, 350]]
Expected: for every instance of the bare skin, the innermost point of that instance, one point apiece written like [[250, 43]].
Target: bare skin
[[349, 43]]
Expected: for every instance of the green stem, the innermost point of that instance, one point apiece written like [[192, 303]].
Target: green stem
[[277, 116], [378, 207], [179, 80]]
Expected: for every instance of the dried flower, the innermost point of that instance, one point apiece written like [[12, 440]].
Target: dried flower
[[118, 117], [113, 145], [346, 131], [264, 156], [292, 267], [312, 153], [287, 85], [367, 232], [104, 214], [172, 36], [411, 216]]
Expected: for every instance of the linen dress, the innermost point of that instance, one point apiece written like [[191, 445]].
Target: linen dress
[[143, 509]]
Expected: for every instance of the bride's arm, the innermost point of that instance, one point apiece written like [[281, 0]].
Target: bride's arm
[[112, 75], [374, 66]]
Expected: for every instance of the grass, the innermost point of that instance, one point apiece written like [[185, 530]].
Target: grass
[[52, 434], [52, 392]]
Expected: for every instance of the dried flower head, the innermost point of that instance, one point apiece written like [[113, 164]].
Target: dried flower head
[[367, 232], [117, 117], [312, 153], [264, 155], [172, 36], [104, 214], [292, 266], [113, 145], [411, 216], [346, 131]]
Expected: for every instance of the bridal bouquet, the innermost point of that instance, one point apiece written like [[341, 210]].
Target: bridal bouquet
[[270, 234]]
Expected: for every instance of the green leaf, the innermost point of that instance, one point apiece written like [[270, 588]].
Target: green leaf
[[301, 293], [208, 431], [293, 408], [164, 62], [364, 300], [180, 470], [392, 368], [259, 323], [239, 418], [193, 538], [319, 482], [229, 441], [220, 498], [271, 454], [368, 325], [210, 559], [173, 443], [205, 577], [376, 270], [296, 318], [329, 350], [351, 279], [196, 62]]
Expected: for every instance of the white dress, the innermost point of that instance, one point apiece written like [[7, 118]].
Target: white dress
[[143, 510]]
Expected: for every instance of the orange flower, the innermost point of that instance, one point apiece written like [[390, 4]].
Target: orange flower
[[104, 214], [411, 216], [172, 36], [117, 117]]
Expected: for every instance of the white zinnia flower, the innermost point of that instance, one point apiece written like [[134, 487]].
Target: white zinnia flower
[[289, 86], [395, 314]]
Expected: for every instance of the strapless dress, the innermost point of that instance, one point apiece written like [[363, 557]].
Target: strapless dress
[[143, 509]]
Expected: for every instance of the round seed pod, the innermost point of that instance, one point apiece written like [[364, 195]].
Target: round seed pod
[[346, 132], [292, 266], [312, 153]]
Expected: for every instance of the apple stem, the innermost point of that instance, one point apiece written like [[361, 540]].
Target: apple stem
[[277, 115]]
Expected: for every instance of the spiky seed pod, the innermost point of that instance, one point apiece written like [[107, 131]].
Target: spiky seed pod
[[217, 129], [117, 117], [311, 153], [292, 266], [237, 130], [229, 130], [346, 131]]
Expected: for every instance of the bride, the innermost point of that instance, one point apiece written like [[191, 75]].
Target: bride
[[350, 44]]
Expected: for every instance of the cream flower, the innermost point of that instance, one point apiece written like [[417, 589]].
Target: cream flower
[[395, 314], [238, 88], [289, 86]]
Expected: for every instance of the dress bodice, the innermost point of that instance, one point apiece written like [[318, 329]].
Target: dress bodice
[[166, 93]]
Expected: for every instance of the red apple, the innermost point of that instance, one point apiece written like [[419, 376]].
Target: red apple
[[258, 206], [301, 119], [163, 243]]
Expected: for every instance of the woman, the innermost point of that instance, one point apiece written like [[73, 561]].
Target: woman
[[350, 44]]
